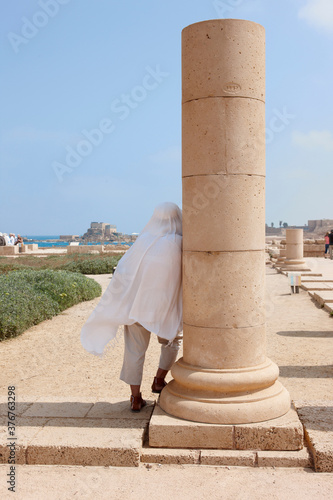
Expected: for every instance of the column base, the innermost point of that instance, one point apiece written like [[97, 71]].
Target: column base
[[284, 433], [293, 265], [233, 396]]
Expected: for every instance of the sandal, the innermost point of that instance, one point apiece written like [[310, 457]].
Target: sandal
[[158, 385], [137, 403]]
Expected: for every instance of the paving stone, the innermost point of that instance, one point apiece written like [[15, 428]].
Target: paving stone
[[323, 297], [87, 442], [320, 285], [317, 418], [299, 458], [168, 456], [228, 458], [118, 408], [56, 407], [25, 433]]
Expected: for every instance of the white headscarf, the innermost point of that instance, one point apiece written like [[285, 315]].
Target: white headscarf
[[146, 286]]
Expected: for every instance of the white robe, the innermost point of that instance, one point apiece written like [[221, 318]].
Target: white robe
[[146, 287]]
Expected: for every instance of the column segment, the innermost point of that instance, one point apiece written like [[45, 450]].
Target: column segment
[[294, 251]]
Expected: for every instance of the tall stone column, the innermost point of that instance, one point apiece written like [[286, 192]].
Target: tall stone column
[[294, 260], [224, 376]]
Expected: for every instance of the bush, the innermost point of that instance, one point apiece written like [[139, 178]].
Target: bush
[[84, 263], [28, 297], [93, 266]]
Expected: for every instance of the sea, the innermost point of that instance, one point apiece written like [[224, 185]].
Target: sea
[[49, 241]]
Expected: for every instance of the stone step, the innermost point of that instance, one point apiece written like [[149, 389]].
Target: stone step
[[232, 458], [55, 432], [52, 431], [324, 297], [282, 434], [317, 418], [319, 286]]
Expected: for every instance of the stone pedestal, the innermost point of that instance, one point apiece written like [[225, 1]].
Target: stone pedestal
[[282, 256], [224, 376], [294, 251]]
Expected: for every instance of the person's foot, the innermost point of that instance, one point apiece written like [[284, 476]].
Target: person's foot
[[137, 403], [158, 385]]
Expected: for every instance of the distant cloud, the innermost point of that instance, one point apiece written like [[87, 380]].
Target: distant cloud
[[314, 140], [318, 13]]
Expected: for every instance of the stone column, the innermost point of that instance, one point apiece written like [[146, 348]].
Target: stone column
[[224, 376], [294, 251]]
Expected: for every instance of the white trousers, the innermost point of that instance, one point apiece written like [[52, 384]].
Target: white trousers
[[136, 344]]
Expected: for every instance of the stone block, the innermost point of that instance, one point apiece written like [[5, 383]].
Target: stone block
[[299, 458], [27, 429], [328, 307], [24, 249], [318, 286], [9, 250], [283, 433], [232, 458], [317, 418], [201, 345], [86, 442], [211, 57], [224, 289], [210, 125], [85, 249], [166, 431], [237, 202], [170, 456], [323, 297]]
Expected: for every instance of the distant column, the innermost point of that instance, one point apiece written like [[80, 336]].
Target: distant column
[[294, 260], [224, 375]]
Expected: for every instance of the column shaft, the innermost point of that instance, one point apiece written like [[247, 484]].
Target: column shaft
[[224, 375]]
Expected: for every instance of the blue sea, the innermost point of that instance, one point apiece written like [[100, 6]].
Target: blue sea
[[43, 243]]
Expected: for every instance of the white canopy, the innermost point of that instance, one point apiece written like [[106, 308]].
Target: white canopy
[[146, 287]]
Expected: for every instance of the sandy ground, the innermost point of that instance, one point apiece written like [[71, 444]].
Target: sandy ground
[[48, 360]]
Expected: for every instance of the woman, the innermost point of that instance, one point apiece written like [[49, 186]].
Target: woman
[[144, 295]]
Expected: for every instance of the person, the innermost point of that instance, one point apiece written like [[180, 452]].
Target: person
[[327, 244], [18, 240], [144, 295], [11, 238], [330, 237], [6, 237]]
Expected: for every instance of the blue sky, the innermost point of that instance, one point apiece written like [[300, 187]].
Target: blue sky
[[70, 67]]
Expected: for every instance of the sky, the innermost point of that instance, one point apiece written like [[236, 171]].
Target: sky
[[90, 99]]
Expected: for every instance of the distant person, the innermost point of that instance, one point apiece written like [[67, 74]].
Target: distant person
[[12, 238], [5, 235], [327, 244], [18, 240], [330, 236], [144, 295]]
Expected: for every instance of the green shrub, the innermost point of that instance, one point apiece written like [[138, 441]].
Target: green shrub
[[83, 263], [93, 266], [28, 297]]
